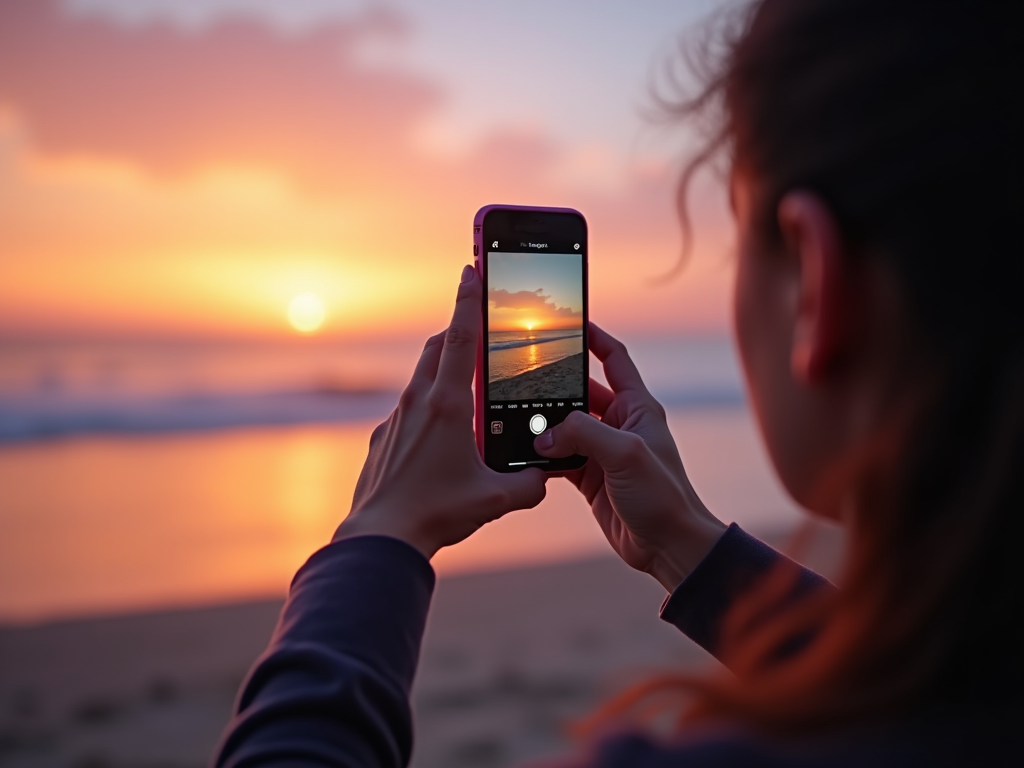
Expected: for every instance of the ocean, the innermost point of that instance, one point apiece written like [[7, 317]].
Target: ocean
[[138, 476], [511, 353]]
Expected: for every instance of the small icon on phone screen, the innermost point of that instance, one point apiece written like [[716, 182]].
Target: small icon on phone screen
[[494, 244], [576, 246], [496, 427]]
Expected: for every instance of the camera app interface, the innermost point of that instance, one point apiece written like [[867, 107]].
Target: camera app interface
[[536, 360]]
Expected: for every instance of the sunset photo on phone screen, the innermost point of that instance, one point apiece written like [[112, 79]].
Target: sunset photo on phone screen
[[535, 326]]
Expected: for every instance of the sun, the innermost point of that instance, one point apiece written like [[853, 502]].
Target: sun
[[530, 324], [306, 312]]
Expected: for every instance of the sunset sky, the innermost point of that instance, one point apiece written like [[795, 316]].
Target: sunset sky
[[190, 167], [534, 291]]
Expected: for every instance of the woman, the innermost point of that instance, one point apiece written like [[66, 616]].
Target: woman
[[876, 179]]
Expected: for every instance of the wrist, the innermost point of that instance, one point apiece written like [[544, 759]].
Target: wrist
[[667, 570], [684, 551], [370, 523]]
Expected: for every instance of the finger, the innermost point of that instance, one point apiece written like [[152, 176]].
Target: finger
[[619, 368], [426, 367], [582, 434], [458, 356], [576, 477], [600, 398], [525, 489], [591, 482]]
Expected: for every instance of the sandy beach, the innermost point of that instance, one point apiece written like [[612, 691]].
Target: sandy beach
[[562, 379], [510, 657]]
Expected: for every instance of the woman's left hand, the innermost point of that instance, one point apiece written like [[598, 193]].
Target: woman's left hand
[[424, 481]]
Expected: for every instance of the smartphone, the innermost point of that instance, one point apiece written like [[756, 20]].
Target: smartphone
[[533, 367]]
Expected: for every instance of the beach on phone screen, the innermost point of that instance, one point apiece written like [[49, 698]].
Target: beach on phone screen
[[535, 326]]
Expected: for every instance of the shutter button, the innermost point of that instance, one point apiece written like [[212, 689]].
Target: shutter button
[[538, 423]]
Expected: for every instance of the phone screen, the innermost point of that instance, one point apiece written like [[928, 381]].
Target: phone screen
[[536, 367]]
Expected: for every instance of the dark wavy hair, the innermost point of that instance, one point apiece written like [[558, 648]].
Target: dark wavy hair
[[905, 117]]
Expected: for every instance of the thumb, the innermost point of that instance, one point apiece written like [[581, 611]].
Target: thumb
[[581, 433], [523, 490]]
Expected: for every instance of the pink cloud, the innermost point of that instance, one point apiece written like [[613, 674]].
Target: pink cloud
[[238, 93]]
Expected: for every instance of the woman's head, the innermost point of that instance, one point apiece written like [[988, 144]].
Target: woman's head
[[877, 179], [876, 170]]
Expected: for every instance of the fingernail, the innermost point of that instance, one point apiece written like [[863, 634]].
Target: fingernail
[[545, 441], [467, 273]]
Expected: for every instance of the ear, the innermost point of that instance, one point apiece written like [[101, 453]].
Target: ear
[[811, 235]]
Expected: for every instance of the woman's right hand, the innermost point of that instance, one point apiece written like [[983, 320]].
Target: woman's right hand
[[634, 481]]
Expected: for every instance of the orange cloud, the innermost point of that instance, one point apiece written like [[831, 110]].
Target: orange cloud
[[535, 301]]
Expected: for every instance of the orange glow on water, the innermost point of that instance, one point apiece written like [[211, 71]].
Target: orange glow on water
[[222, 516]]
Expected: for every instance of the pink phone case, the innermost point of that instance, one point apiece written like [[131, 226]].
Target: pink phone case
[[478, 249]]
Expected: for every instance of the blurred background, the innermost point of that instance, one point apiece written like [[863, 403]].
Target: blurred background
[[226, 228]]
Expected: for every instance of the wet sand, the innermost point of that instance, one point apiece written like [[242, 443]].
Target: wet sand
[[563, 379], [495, 687]]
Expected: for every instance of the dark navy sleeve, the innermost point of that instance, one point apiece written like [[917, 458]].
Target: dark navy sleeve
[[699, 604], [333, 686]]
